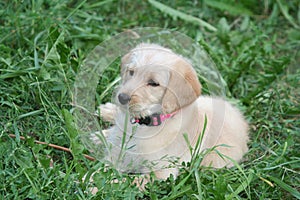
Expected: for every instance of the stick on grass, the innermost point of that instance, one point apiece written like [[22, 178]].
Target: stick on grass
[[54, 146]]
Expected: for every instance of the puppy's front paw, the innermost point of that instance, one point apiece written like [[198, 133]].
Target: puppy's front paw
[[108, 112], [96, 136]]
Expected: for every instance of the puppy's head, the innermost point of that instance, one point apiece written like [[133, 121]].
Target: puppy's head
[[156, 80]]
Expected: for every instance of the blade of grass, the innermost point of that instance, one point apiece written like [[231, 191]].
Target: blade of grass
[[32, 113], [108, 87], [286, 187], [242, 186], [175, 13], [98, 4], [176, 195], [123, 145], [235, 9], [199, 188], [196, 160], [15, 73], [30, 181], [285, 12], [73, 11]]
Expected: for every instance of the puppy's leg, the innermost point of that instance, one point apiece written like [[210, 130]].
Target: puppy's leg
[[96, 136], [108, 112], [141, 181], [165, 173]]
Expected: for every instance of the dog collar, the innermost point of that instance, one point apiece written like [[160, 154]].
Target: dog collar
[[152, 120]]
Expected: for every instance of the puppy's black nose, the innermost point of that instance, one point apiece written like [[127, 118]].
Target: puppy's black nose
[[123, 98]]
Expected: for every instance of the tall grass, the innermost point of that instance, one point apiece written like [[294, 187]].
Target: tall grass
[[43, 43]]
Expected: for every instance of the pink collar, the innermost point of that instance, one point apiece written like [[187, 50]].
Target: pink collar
[[153, 120]]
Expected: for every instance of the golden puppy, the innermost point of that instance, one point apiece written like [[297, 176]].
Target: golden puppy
[[157, 103]]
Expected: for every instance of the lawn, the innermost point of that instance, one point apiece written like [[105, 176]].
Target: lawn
[[254, 44]]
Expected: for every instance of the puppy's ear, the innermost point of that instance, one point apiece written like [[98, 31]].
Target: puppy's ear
[[183, 87]]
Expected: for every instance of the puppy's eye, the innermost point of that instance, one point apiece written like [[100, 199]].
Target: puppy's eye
[[131, 72], [152, 83]]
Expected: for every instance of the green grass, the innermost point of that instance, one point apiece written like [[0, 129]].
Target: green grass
[[43, 43]]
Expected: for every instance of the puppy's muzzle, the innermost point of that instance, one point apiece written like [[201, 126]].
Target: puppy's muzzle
[[123, 98]]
